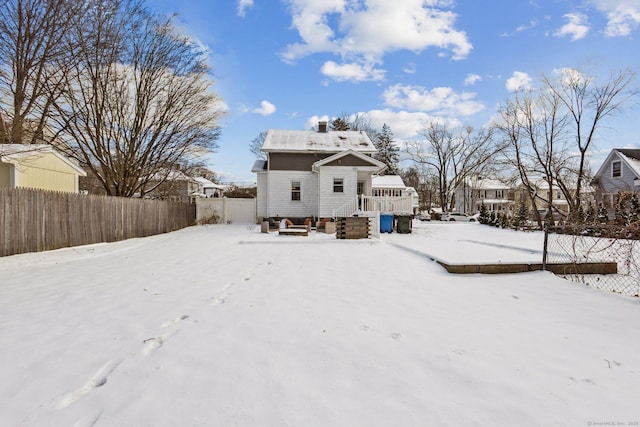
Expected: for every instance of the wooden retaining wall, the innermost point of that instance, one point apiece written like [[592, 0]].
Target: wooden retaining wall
[[37, 220], [556, 268], [353, 227]]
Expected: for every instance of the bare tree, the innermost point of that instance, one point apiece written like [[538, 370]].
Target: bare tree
[[137, 101], [451, 155], [34, 56], [545, 128], [256, 145], [588, 103], [535, 128]]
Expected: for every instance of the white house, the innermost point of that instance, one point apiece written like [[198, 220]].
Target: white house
[[314, 174], [210, 188], [476, 191], [620, 171]]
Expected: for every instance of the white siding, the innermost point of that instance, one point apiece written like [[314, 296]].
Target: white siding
[[280, 203], [261, 185], [330, 200]]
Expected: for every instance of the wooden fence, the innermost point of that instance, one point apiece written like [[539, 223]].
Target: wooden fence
[[36, 220]]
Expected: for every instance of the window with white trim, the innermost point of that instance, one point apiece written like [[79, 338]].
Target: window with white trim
[[616, 169], [338, 185], [295, 190]]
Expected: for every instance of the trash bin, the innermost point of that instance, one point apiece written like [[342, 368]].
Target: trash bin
[[403, 225], [386, 223]]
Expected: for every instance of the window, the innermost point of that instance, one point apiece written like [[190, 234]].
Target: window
[[338, 185], [499, 194], [616, 169], [295, 190]]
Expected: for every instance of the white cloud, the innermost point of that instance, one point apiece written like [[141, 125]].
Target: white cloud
[[570, 76], [243, 5], [351, 72], [532, 24], [519, 81], [404, 124], [623, 16], [410, 68], [266, 109], [312, 122], [364, 31], [441, 100], [577, 26], [472, 79]]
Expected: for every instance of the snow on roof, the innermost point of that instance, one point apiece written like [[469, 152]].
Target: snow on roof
[[313, 141], [387, 181], [171, 175], [487, 184], [209, 184], [633, 159], [15, 152]]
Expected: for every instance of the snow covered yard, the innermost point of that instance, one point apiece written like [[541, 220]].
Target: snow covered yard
[[226, 326]]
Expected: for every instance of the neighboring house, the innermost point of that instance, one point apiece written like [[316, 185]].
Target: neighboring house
[[317, 174], [541, 196], [415, 199], [174, 185], [211, 189], [38, 166], [619, 172], [494, 194]]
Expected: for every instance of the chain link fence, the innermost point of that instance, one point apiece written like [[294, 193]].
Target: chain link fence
[[582, 244]]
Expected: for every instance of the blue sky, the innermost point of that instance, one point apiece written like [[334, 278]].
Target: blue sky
[[285, 64]]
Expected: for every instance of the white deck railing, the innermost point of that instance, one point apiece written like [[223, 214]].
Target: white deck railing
[[370, 204]]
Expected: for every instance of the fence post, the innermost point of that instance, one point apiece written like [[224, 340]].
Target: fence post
[[544, 249], [224, 210]]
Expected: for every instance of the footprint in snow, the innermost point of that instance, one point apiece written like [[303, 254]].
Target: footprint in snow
[[152, 344], [98, 380], [88, 421], [219, 299], [174, 321]]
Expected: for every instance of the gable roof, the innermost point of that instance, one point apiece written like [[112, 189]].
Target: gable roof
[[478, 183], [15, 153], [292, 141], [374, 163], [387, 181], [630, 156], [209, 184]]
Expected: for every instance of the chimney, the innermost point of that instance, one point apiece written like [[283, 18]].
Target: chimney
[[322, 127]]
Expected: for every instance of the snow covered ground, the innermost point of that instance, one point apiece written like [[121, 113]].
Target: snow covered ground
[[226, 326]]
